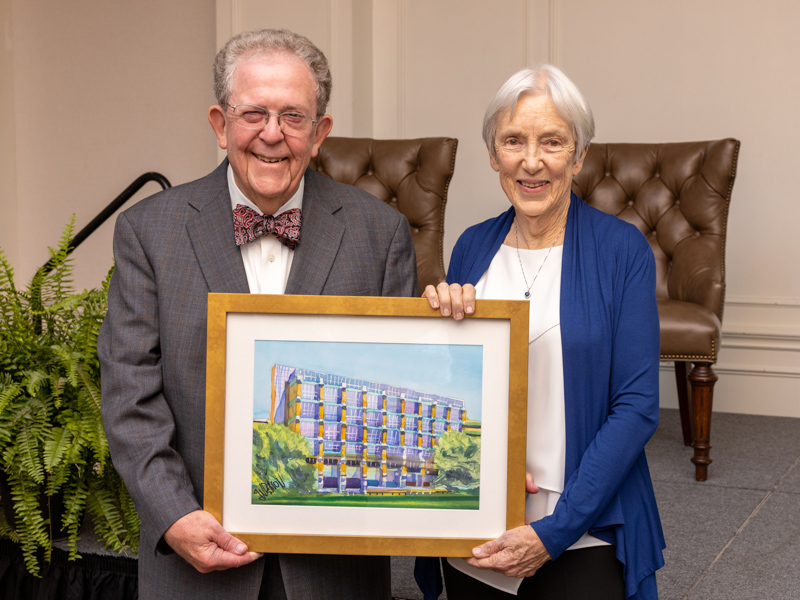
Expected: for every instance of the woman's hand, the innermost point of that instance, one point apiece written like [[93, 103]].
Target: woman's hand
[[451, 299], [530, 487], [501, 554], [517, 553]]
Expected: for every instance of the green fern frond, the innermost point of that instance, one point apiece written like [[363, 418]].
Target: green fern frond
[[31, 526], [7, 531], [55, 446], [93, 393], [132, 522], [114, 515], [75, 497], [57, 385], [57, 284], [8, 393], [6, 274], [69, 361], [107, 518], [28, 444], [34, 380], [90, 395], [56, 479], [34, 296]]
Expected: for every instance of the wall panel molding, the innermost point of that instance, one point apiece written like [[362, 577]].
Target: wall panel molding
[[386, 39], [226, 17], [340, 58], [540, 31], [759, 358], [761, 341], [9, 214], [402, 66]]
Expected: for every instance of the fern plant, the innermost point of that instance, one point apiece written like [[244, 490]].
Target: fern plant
[[52, 440]]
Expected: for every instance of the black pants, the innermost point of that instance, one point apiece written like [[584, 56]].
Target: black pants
[[329, 577], [585, 574]]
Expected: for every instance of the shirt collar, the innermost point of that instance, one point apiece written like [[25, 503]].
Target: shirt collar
[[237, 197]]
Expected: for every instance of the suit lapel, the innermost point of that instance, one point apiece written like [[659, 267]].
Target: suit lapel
[[211, 234], [320, 236]]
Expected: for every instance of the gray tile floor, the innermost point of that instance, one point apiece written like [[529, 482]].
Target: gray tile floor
[[735, 536]]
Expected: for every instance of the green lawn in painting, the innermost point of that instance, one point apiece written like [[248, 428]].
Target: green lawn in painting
[[449, 501]]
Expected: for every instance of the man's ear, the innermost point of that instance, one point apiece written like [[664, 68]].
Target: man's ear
[[216, 116], [322, 130]]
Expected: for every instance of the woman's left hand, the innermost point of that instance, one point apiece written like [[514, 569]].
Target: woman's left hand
[[451, 299], [517, 553]]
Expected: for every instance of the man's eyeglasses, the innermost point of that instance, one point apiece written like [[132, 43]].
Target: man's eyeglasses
[[256, 117]]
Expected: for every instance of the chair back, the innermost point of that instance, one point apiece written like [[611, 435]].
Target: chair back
[[411, 176], [678, 195]]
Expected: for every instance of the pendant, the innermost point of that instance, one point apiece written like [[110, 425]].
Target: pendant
[[527, 294]]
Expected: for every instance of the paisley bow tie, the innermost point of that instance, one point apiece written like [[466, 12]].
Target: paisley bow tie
[[248, 225]]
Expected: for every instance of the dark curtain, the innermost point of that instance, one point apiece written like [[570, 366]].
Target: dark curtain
[[92, 577]]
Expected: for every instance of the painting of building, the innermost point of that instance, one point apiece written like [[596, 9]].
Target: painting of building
[[366, 437]]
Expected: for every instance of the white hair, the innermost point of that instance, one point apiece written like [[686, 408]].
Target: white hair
[[267, 42], [535, 81]]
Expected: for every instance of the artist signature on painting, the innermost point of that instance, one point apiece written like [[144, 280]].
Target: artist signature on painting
[[267, 488]]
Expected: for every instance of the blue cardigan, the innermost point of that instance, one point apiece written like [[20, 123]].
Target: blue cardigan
[[610, 340]]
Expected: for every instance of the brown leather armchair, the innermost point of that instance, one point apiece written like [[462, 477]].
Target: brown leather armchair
[[409, 175], [678, 195]]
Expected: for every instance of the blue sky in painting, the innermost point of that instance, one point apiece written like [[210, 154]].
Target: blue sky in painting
[[444, 369]]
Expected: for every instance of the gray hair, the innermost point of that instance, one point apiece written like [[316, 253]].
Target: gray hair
[[541, 80], [269, 42]]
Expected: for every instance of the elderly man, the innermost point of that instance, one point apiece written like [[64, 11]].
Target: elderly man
[[262, 222]]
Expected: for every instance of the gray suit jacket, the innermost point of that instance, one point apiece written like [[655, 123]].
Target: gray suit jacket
[[171, 250]]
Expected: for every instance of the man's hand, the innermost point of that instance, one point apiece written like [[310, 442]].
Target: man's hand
[[451, 299], [202, 542]]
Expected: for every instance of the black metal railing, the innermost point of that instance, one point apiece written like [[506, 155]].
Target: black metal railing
[[109, 210]]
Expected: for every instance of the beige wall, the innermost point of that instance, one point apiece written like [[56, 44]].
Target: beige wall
[[102, 92], [657, 71], [652, 71], [8, 157], [91, 93]]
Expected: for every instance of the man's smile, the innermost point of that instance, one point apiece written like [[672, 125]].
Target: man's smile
[[269, 160]]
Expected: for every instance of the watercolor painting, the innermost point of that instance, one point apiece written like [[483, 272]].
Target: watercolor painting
[[367, 424]]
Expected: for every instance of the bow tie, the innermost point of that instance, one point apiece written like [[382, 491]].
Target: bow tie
[[248, 225]]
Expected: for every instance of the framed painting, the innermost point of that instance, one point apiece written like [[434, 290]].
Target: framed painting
[[346, 425]]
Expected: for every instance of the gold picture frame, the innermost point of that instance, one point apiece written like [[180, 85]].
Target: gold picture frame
[[413, 506]]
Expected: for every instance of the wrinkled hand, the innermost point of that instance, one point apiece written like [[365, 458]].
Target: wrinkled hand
[[517, 553], [451, 299], [202, 542]]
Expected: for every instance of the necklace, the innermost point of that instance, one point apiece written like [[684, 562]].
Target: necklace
[[516, 239]]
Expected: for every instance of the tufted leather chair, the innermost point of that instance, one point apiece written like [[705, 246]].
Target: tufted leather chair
[[678, 195], [409, 175]]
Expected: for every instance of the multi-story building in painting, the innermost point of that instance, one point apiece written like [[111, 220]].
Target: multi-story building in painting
[[366, 437]]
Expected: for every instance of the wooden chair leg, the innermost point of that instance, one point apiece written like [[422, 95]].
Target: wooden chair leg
[[683, 401], [702, 380]]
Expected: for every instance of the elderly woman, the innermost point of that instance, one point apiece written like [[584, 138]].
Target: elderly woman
[[593, 358]]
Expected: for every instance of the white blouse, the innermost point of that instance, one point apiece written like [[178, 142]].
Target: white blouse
[[547, 441]]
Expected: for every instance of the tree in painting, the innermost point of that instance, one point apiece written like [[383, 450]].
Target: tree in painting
[[279, 460], [458, 460]]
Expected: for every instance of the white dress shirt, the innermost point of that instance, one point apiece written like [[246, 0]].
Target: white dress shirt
[[266, 261]]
